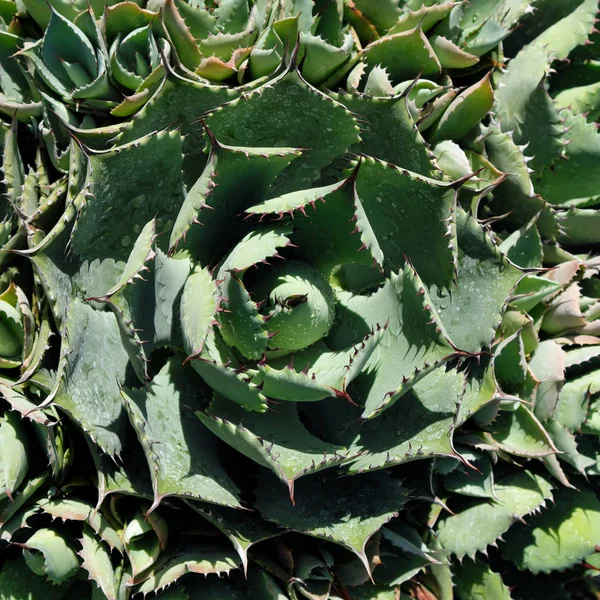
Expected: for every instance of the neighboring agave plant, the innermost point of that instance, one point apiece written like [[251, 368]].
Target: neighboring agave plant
[[324, 289]]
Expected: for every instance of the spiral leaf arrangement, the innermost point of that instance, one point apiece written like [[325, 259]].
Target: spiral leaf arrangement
[[302, 296]]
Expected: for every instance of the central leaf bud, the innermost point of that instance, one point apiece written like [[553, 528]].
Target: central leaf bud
[[299, 303]]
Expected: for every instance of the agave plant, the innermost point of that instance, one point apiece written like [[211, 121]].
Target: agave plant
[[301, 295]]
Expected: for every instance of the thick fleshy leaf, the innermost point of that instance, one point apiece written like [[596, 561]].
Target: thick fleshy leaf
[[18, 581], [182, 458], [107, 226], [50, 554], [14, 461], [94, 363], [485, 280], [559, 537], [96, 561], [480, 524], [346, 511], [188, 560], [475, 581], [329, 133], [413, 333], [243, 529], [278, 440]]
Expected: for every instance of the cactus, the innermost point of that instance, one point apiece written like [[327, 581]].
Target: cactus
[[259, 257]]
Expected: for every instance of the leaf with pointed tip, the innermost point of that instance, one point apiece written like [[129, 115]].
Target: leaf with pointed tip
[[234, 179], [520, 433], [50, 554], [510, 364], [422, 15], [96, 561], [18, 581], [130, 478], [559, 537], [548, 366], [480, 387], [485, 280], [522, 105], [140, 254], [481, 523], [94, 364], [197, 309], [329, 133], [182, 458], [68, 509], [477, 581], [142, 543], [105, 224], [411, 216], [404, 55], [574, 182], [573, 30], [382, 15], [581, 359], [346, 511], [188, 560], [465, 111], [388, 132], [532, 290], [413, 332], [524, 246], [469, 482], [178, 103], [378, 84], [572, 408], [579, 227], [13, 454], [219, 367], [516, 192], [278, 441], [416, 427], [181, 37], [243, 529]]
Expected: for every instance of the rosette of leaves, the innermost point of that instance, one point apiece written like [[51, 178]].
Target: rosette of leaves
[[289, 274]]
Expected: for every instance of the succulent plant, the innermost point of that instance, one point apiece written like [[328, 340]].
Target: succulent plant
[[301, 295]]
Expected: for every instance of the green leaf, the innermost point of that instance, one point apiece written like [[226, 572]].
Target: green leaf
[[465, 111], [64, 42], [520, 433], [96, 561], [404, 55], [572, 407], [416, 427], [485, 280], [107, 226], [559, 537], [467, 481], [234, 179], [523, 106], [69, 509], [329, 133], [411, 218], [197, 310], [346, 511], [413, 332], [188, 560], [182, 38], [50, 554], [524, 246], [477, 581], [382, 14], [574, 182], [277, 440], [483, 522], [13, 454], [548, 366], [243, 529], [17, 582], [94, 363], [510, 364], [388, 132], [182, 457]]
